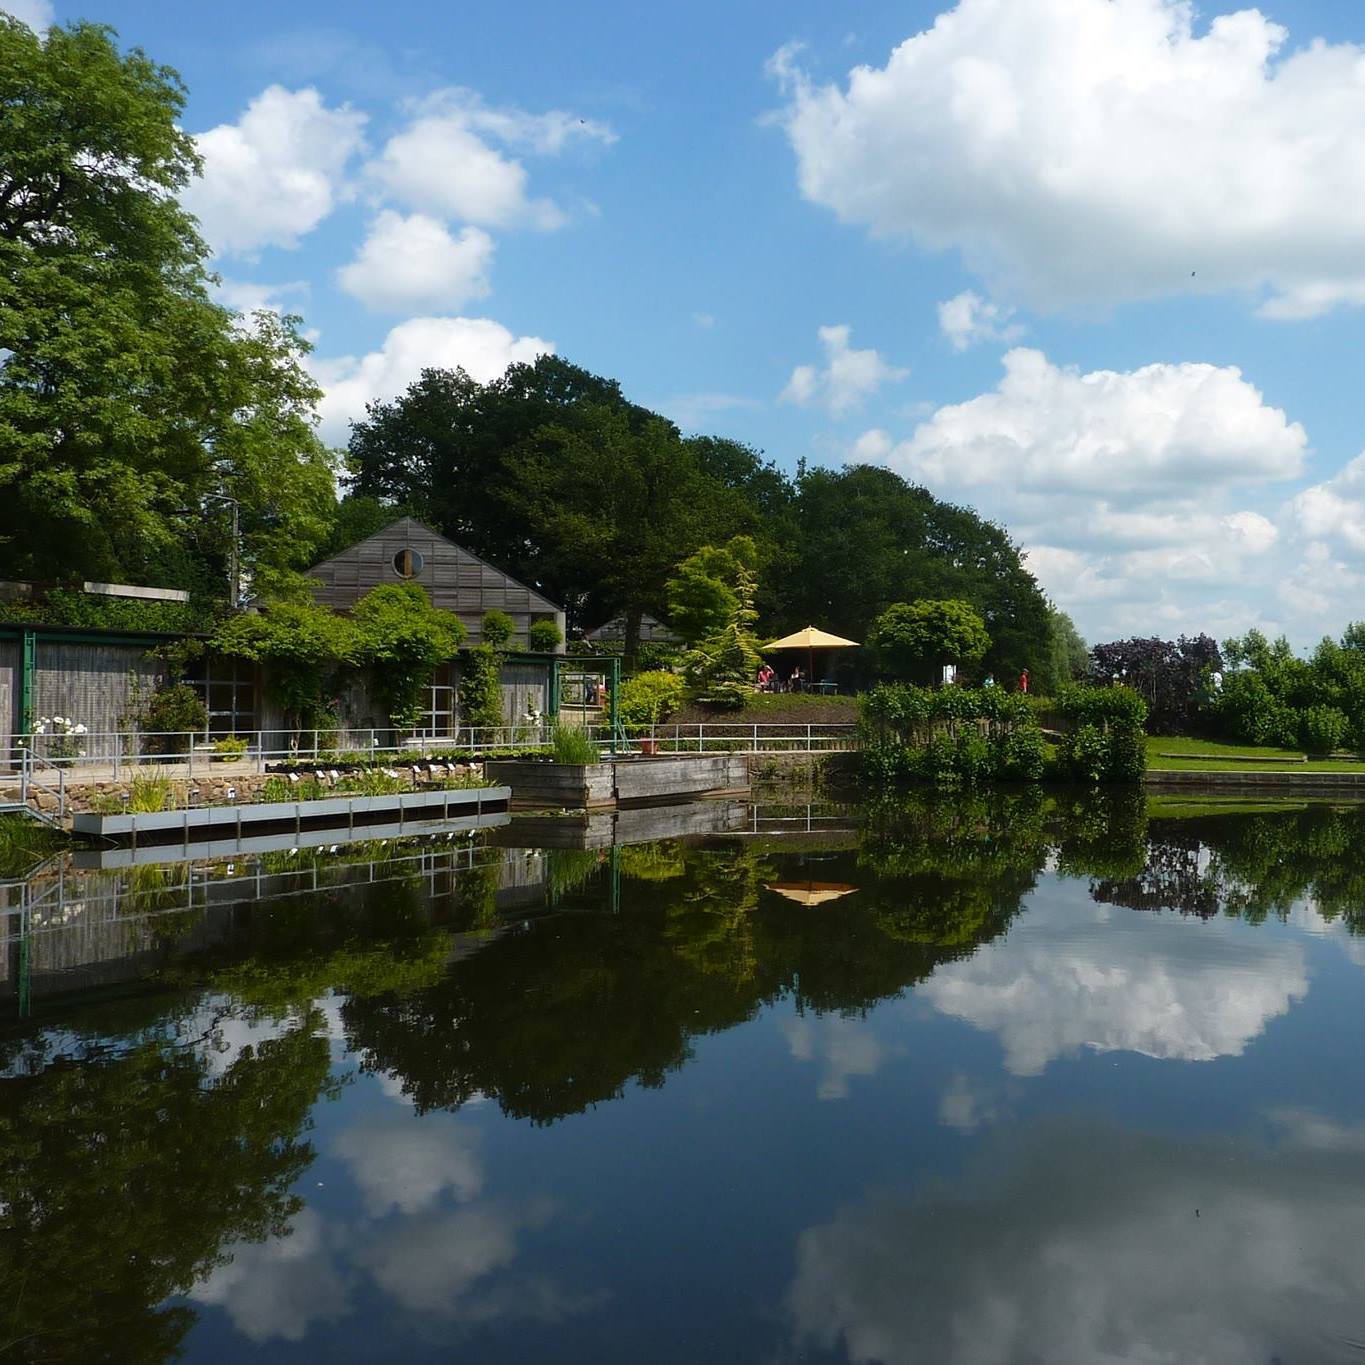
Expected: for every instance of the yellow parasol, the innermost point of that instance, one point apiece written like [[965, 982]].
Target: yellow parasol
[[810, 639], [811, 893]]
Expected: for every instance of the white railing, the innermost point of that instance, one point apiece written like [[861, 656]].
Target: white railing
[[737, 737], [38, 774], [191, 752], [45, 758]]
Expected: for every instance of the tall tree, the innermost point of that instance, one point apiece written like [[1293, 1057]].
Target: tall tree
[[127, 396], [866, 539], [704, 591], [442, 449], [613, 509]]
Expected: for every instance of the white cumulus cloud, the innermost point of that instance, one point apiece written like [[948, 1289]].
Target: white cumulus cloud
[[414, 264], [847, 379], [446, 161], [1160, 987], [1159, 427], [276, 173], [37, 14], [967, 319], [1077, 1245], [1091, 151], [480, 346], [1334, 511]]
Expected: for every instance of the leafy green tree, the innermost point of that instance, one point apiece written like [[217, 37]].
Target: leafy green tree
[[126, 394], [441, 450], [615, 508], [498, 629], [404, 638], [865, 538], [1068, 656], [481, 687], [303, 645], [720, 670], [544, 637], [913, 640], [703, 593]]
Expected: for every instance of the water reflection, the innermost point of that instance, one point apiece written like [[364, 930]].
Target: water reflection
[[1075, 1244], [468, 1094]]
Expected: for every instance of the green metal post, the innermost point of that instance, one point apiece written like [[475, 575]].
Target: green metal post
[[26, 681], [615, 878], [552, 707], [25, 1003], [615, 701]]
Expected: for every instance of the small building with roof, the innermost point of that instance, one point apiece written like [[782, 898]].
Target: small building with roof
[[102, 678]]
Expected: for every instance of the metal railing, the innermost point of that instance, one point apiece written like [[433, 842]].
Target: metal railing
[[736, 737], [39, 775], [191, 753], [47, 761]]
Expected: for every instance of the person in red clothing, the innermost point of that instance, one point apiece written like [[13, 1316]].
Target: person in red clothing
[[1023, 681]]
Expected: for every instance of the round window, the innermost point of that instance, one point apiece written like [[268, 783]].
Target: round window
[[407, 563]]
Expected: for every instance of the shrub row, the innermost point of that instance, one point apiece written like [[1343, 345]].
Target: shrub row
[[962, 736]]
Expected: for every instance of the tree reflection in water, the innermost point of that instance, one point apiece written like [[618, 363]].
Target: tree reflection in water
[[140, 1140]]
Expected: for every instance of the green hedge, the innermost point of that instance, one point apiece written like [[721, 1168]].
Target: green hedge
[[1105, 737], [951, 737]]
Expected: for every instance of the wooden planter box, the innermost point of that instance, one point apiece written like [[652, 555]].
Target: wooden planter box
[[579, 786]]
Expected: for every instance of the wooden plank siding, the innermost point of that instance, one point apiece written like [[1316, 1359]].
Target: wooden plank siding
[[96, 684], [454, 578]]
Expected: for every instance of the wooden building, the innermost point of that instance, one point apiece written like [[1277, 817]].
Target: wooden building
[[652, 632], [454, 578], [101, 679]]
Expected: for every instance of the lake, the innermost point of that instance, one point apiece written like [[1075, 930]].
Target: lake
[[1020, 1078]]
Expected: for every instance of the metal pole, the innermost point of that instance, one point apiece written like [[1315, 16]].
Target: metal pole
[[615, 700], [235, 586]]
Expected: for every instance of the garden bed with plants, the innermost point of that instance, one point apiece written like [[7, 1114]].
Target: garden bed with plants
[[281, 805]]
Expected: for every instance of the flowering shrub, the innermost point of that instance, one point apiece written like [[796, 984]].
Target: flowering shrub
[[63, 736]]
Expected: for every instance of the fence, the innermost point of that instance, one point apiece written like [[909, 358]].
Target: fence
[[187, 754], [736, 737]]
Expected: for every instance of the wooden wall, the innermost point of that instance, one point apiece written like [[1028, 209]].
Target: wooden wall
[[453, 578], [94, 684]]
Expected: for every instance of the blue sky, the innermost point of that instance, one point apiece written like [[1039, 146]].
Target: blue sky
[[1155, 213]]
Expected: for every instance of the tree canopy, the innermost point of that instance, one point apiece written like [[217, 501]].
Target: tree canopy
[[914, 640], [127, 395]]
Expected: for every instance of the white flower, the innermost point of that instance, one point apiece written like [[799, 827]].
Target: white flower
[[78, 729]]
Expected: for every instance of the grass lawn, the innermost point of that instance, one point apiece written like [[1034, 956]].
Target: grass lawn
[[1176, 753], [776, 708]]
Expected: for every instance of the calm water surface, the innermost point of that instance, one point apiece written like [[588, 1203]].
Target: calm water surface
[[1007, 1080]]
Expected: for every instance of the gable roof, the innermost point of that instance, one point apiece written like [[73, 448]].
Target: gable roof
[[455, 579], [652, 631]]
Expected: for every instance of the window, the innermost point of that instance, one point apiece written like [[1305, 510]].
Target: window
[[441, 718], [407, 563], [227, 687]]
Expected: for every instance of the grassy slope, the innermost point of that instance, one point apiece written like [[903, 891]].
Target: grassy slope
[[1220, 758], [776, 708]]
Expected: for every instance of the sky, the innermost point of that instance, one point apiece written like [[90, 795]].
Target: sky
[[1093, 267]]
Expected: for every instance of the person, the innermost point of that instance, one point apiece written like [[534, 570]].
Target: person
[[1023, 681], [765, 678], [796, 682], [990, 680]]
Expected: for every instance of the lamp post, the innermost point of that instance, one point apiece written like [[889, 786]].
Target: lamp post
[[234, 571]]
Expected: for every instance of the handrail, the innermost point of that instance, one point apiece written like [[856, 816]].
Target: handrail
[[123, 753], [28, 783]]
